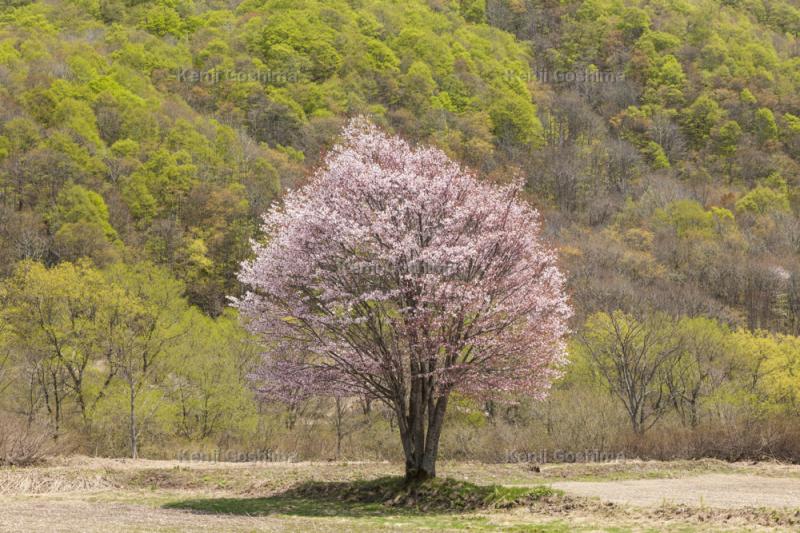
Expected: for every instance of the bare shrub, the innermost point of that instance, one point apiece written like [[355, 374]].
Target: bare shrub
[[24, 443], [582, 419]]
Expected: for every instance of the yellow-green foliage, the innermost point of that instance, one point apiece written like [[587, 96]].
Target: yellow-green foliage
[[159, 131]]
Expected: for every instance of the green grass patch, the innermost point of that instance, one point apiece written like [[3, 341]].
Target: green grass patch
[[377, 497]]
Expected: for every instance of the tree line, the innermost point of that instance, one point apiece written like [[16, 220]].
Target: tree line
[[669, 189]]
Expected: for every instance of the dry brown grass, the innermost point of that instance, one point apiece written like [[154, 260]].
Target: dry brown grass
[[95, 494]]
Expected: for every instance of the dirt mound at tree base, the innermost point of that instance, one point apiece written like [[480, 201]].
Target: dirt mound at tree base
[[426, 496]]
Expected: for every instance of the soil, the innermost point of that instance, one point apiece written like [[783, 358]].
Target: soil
[[729, 491]]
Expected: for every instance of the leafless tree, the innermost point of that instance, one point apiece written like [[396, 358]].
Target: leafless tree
[[632, 356]]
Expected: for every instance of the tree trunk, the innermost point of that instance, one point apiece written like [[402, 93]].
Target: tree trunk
[[339, 432], [420, 433], [133, 421], [693, 420]]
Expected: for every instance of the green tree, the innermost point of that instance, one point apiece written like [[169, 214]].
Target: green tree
[[78, 204], [211, 396], [700, 118], [766, 129], [706, 362], [763, 201], [149, 317], [726, 138], [59, 321], [633, 358]]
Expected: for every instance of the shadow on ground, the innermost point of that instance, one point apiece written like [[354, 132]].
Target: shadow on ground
[[308, 499], [379, 497], [287, 505]]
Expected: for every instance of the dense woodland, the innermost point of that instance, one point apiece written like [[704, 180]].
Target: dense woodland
[[141, 140]]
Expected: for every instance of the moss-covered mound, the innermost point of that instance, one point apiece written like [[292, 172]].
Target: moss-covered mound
[[438, 494]]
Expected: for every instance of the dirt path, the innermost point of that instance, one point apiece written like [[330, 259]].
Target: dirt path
[[68, 515], [712, 490]]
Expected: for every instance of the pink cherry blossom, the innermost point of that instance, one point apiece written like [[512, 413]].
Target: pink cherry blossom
[[396, 274]]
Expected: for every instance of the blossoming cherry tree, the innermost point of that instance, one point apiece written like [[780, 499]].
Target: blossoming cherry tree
[[396, 275]]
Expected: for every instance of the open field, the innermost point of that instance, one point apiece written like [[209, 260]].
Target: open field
[[83, 494], [723, 491]]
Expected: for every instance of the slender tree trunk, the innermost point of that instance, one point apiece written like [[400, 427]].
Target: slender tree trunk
[[133, 436], [636, 415], [420, 432], [339, 432], [693, 420], [57, 402], [435, 424]]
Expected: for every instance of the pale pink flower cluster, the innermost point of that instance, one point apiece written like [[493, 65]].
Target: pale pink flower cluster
[[395, 262]]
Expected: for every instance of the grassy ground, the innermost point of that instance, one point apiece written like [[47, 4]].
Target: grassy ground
[[80, 494]]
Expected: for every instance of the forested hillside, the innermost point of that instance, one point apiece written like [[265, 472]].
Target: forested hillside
[[140, 142]]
